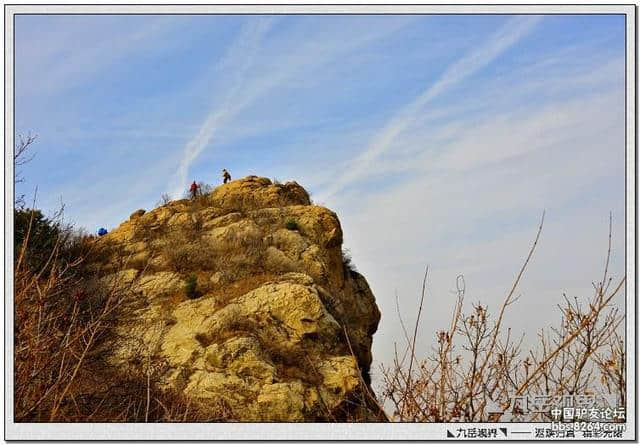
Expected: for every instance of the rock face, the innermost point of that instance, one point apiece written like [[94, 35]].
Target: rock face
[[241, 300]]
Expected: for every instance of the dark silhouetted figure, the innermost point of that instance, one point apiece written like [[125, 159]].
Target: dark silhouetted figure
[[226, 176]]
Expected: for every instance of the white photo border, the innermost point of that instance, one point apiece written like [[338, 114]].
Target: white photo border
[[306, 431]]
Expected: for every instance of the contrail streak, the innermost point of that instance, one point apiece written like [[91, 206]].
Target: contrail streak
[[247, 45], [305, 56], [499, 42]]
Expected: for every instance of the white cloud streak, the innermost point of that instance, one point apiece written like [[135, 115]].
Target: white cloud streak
[[498, 43], [241, 54], [294, 60], [73, 51]]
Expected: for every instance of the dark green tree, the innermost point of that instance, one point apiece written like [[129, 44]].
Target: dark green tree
[[43, 236]]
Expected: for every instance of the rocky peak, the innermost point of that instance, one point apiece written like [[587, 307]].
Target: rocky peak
[[242, 299]]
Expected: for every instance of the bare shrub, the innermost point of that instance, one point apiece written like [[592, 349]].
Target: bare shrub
[[164, 200], [205, 188], [347, 261], [477, 366], [59, 325], [21, 156]]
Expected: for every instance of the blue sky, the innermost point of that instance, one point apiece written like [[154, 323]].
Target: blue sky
[[437, 139]]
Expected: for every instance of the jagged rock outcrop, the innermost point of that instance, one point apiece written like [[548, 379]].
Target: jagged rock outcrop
[[241, 300]]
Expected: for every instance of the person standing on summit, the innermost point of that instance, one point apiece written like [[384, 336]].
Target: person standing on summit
[[193, 190], [226, 176]]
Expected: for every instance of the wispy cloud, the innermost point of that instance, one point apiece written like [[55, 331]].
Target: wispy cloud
[[71, 50], [285, 62], [240, 59], [480, 57], [472, 206]]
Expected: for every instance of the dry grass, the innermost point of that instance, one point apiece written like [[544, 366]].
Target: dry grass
[[476, 364], [184, 255]]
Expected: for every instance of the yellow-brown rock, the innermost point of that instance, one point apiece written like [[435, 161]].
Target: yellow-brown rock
[[278, 328]]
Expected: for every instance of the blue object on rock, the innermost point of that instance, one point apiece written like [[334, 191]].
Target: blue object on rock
[[102, 231]]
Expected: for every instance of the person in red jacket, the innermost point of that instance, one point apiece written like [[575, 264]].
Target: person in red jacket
[[193, 190]]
